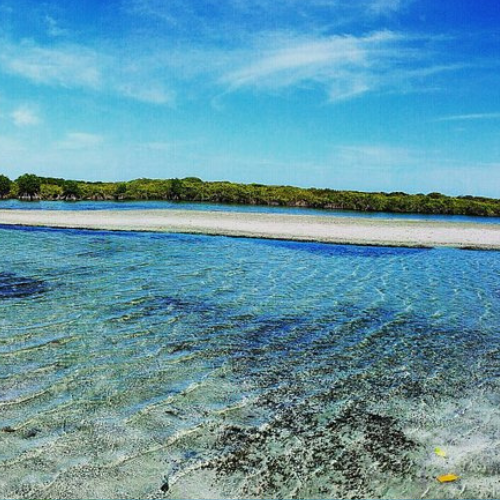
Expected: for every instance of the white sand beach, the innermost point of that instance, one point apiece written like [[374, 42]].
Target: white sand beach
[[342, 230]]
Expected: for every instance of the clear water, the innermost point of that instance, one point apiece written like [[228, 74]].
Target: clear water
[[166, 205], [222, 368]]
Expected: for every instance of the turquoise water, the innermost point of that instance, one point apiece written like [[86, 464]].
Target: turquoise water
[[166, 205], [218, 367]]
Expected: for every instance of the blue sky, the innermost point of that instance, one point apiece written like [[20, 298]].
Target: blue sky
[[392, 95]]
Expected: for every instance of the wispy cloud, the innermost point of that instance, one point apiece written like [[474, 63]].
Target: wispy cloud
[[25, 116], [65, 66], [239, 16], [385, 7], [373, 156], [467, 117], [80, 141], [53, 27], [339, 46], [283, 62], [155, 66], [147, 92], [110, 70], [345, 66]]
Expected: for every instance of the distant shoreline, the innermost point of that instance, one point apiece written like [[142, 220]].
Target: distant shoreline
[[341, 230], [30, 187]]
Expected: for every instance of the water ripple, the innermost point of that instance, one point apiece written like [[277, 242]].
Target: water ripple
[[243, 368]]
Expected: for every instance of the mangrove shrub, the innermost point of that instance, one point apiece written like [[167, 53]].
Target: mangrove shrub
[[5, 185]]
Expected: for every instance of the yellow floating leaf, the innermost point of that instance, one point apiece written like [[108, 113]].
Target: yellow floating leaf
[[447, 478], [439, 452]]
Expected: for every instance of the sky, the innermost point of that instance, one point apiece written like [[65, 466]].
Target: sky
[[370, 95]]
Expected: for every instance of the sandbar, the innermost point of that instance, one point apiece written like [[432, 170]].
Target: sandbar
[[324, 229]]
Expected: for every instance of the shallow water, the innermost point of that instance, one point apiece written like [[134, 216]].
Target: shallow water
[[222, 367], [224, 207]]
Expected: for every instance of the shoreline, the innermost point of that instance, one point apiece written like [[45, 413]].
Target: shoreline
[[307, 228]]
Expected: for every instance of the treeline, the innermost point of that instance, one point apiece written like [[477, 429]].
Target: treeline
[[32, 187]]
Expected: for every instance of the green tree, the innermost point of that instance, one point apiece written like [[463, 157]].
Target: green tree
[[71, 189], [120, 190], [29, 185], [50, 191], [176, 189], [5, 185], [436, 196]]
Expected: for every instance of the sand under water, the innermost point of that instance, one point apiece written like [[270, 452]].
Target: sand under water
[[148, 365]]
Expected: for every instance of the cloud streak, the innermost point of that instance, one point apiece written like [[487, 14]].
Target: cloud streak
[[469, 117], [187, 17], [157, 69], [385, 7], [76, 66], [80, 141], [344, 66], [64, 66]]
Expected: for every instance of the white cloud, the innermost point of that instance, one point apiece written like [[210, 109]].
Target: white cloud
[[25, 116], [146, 92], [287, 61], [385, 7], [345, 66], [108, 71], [471, 116], [261, 14], [65, 66], [53, 27], [80, 140], [152, 71]]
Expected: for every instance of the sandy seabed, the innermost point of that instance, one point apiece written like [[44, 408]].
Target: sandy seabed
[[149, 365], [341, 230]]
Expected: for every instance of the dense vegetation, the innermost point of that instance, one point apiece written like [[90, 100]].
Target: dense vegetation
[[32, 187], [28, 186], [5, 185]]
